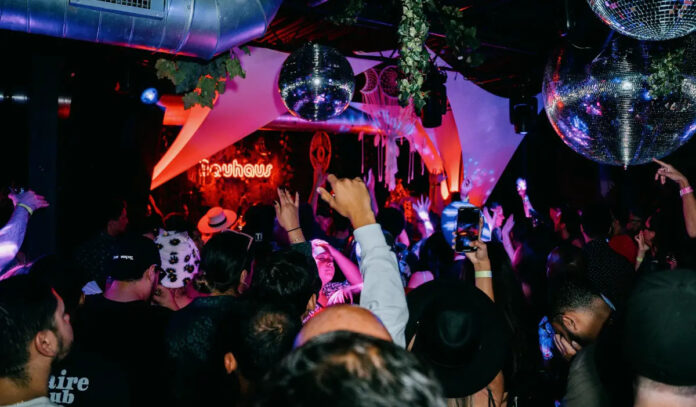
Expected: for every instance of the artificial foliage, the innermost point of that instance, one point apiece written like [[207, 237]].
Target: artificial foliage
[[417, 17], [414, 60], [200, 82], [666, 74]]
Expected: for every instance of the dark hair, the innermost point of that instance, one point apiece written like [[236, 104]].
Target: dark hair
[[223, 259], [288, 278], [112, 208], [27, 307], [571, 219], [57, 273], [564, 262], [346, 369], [259, 220], [392, 220], [519, 369], [151, 224], [176, 222], [572, 294], [436, 256], [261, 339], [596, 221]]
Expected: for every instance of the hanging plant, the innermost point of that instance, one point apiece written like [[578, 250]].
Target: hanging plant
[[201, 82], [349, 14], [413, 32], [460, 37], [414, 60], [666, 75]]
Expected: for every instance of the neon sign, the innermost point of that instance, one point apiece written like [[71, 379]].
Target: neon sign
[[235, 169]]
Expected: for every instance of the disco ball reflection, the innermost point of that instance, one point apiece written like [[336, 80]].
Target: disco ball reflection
[[649, 20], [605, 111], [316, 82]]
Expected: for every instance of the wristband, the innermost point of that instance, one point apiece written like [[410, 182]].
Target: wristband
[[685, 190], [292, 230], [483, 274], [639, 259], [25, 206]]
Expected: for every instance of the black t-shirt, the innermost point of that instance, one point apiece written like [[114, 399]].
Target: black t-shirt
[[195, 353], [130, 335], [87, 379]]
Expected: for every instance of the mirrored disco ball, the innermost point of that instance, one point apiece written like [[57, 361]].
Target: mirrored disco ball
[[649, 20], [606, 110], [316, 82]]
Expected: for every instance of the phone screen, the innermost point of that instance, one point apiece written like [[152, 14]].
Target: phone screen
[[468, 222]]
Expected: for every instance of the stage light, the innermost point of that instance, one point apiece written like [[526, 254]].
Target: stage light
[[149, 96], [523, 113]]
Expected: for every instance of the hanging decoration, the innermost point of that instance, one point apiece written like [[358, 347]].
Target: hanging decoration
[[413, 31], [320, 152], [381, 101], [633, 102], [316, 82], [201, 82], [653, 20]]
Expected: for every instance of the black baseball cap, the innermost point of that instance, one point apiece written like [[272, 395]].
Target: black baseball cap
[[134, 255], [660, 327]]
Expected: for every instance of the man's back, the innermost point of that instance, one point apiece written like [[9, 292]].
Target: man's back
[[129, 334]]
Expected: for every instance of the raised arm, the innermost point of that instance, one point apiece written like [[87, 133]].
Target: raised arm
[[349, 269], [687, 194], [382, 293], [12, 234]]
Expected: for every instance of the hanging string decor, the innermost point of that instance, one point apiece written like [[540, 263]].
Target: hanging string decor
[[381, 100]]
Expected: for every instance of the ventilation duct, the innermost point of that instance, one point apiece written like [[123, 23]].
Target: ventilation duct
[[200, 28]]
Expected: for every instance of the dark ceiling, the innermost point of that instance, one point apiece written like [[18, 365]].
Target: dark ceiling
[[516, 35]]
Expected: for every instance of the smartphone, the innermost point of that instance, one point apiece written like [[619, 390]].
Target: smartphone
[[468, 224]]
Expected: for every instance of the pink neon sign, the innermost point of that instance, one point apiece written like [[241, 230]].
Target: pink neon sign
[[235, 169]]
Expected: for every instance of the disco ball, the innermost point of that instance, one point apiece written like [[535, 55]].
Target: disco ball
[[648, 20], [606, 109], [316, 83]]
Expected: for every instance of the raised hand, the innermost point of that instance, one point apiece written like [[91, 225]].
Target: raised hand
[[422, 207], [488, 218], [29, 198], [369, 181], [479, 257], [508, 225], [668, 171], [642, 246], [351, 199], [287, 209]]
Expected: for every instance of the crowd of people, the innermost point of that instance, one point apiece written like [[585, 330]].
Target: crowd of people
[[341, 302]]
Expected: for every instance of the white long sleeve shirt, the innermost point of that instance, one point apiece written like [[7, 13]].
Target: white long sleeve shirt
[[382, 293]]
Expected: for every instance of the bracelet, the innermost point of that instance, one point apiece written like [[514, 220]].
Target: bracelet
[[685, 190], [292, 230], [639, 259], [483, 274], [25, 206]]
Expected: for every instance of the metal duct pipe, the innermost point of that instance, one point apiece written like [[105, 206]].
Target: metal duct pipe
[[350, 121], [200, 28]]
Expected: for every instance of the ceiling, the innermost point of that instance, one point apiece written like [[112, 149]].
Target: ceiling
[[516, 35]]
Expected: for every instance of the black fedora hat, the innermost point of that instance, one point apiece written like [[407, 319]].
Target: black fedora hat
[[660, 327], [460, 332]]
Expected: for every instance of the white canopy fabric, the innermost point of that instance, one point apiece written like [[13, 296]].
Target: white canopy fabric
[[246, 105]]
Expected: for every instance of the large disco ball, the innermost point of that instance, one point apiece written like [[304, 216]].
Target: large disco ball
[[316, 82], [607, 110], [648, 20]]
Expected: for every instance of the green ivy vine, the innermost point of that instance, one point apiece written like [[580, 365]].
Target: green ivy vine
[[200, 82], [666, 74], [413, 32]]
